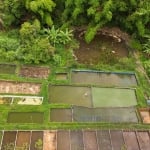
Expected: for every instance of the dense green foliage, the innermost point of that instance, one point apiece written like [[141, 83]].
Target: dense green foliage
[[130, 15]]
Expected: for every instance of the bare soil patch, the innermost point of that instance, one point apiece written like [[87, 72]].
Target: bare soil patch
[[145, 115], [49, 141], [35, 72], [91, 53], [19, 87]]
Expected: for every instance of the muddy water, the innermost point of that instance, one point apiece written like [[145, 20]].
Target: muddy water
[[76, 140], [7, 69], [36, 138], [61, 115], [130, 140], [144, 140], [104, 140], [49, 141], [117, 140], [90, 141], [90, 53], [61, 76], [9, 139], [80, 96], [63, 140], [103, 79], [23, 139], [25, 117]]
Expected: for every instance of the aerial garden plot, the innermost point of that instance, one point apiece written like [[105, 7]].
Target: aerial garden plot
[[74, 75]]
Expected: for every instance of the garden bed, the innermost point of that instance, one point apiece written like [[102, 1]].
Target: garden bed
[[21, 100], [36, 140], [49, 140], [19, 87], [9, 139], [5, 100], [23, 140], [145, 115], [25, 117], [34, 72], [103, 78]]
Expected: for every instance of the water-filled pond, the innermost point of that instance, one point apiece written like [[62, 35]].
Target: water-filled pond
[[25, 117], [103, 78]]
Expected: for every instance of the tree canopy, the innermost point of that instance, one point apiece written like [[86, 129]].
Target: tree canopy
[[132, 16]]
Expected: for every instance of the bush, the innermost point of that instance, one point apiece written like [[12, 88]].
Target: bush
[[147, 66], [57, 36]]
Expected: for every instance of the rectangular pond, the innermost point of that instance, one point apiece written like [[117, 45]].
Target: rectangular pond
[[61, 76], [73, 95], [117, 139], [25, 117], [7, 69], [131, 140], [90, 140], [103, 140], [76, 139], [111, 115], [103, 78], [113, 97], [23, 140], [36, 140], [63, 140], [143, 139], [61, 115], [9, 139]]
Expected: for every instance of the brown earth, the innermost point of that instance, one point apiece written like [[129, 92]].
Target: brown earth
[[35, 72], [91, 53], [19, 87]]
